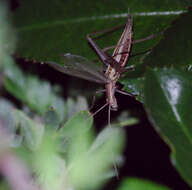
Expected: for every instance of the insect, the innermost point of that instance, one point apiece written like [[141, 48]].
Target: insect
[[83, 68]]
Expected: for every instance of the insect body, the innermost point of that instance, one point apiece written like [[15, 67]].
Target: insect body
[[81, 67], [121, 55]]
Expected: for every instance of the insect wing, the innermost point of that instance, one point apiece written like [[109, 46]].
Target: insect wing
[[122, 50], [81, 67]]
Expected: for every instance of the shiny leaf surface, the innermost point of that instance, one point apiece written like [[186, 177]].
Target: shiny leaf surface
[[167, 100]]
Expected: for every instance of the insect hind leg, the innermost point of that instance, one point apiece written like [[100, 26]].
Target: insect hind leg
[[125, 93]]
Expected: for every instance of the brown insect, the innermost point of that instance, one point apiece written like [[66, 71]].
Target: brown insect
[[83, 68]]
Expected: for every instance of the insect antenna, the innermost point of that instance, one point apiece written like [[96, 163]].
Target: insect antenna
[[114, 160], [109, 125]]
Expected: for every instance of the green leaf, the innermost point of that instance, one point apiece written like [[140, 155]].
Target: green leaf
[[84, 155], [134, 86], [99, 158], [51, 119], [91, 8], [75, 106], [167, 101], [31, 131], [52, 31], [8, 121], [77, 127], [38, 94], [140, 184], [6, 115], [49, 166], [19, 126], [174, 50]]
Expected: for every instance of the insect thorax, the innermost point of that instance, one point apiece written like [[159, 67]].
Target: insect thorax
[[112, 74]]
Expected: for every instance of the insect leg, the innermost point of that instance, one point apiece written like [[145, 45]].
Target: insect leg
[[100, 109], [101, 53], [125, 93], [141, 53], [150, 37], [105, 32]]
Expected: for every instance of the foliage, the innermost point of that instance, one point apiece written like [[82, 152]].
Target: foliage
[[54, 136]]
